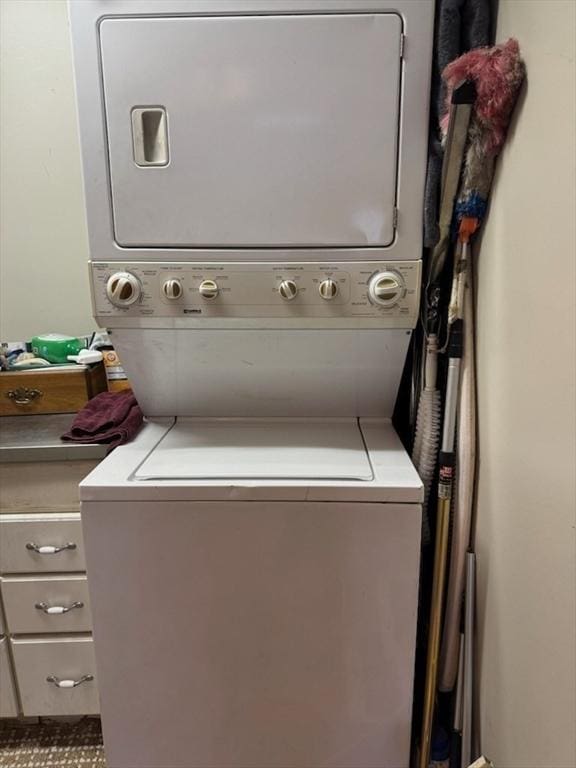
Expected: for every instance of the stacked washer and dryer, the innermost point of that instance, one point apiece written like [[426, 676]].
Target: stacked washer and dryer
[[254, 174]]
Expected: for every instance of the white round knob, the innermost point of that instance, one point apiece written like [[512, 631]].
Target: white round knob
[[385, 289], [172, 289], [123, 289], [328, 289], [288, 290], [208, 289]]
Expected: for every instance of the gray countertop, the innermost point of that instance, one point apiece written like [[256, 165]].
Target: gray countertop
[[37, 438]]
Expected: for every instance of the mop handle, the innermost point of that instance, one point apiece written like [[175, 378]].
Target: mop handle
[[447, 455], [468, 226], [462, 103]]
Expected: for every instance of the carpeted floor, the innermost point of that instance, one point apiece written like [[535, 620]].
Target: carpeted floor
[[51, 744]]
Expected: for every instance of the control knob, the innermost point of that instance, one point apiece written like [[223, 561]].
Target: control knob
[[208, 289], [328, 289], [288, 290], [172, 289], [123, 289], [385, 289]]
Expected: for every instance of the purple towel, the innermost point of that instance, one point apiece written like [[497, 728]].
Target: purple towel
[[110, 417]]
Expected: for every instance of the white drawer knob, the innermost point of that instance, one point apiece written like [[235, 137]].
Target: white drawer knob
[[68, 683], [53, 610], [49, 549]]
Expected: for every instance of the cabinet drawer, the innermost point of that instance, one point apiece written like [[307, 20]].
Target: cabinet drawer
[[41, 487], [46, 604], [60, 658], [36, 544], [8, 706], [49, 391]]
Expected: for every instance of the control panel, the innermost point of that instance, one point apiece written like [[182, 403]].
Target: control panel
[[386, 294]]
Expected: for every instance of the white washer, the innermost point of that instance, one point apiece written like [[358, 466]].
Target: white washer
[[254, 590], [254, 174]]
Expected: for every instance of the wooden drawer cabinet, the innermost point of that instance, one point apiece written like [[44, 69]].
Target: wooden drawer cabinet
[[8, 705], [45, 623], [41, 543], [56, 675], [49, 390], [46, 604]]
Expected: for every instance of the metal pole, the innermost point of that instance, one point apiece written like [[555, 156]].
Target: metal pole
[[459, 687]]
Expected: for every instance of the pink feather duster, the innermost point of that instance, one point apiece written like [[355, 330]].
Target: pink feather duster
[[497, 74]]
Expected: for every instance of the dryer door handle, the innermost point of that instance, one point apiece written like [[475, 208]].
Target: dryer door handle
[[150, 136]]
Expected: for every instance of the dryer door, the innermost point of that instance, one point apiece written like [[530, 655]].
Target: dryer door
[[262, 131]]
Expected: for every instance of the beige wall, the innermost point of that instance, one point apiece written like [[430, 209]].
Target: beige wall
[[43, 246], [526, 346]]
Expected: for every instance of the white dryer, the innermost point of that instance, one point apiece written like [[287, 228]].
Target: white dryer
[[254, 175]]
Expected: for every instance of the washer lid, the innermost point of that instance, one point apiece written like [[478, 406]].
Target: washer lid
[[295, 449]]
